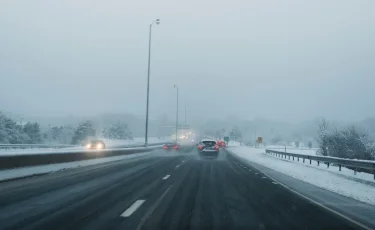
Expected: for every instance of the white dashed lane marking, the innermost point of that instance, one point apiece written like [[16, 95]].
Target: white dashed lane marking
[[166, 177], [264, 177], [132, 208], [273, 182]]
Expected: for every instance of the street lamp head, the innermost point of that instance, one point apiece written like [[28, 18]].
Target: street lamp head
[[174, 86], [157, 21]]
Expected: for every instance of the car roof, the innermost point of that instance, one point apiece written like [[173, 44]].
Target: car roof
[[208, 140]]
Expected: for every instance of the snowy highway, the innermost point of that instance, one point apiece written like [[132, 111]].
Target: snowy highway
[[171, 190]]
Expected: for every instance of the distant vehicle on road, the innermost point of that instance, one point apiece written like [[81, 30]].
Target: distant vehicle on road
[[208, 147], [171, 146], [221, 143], [95, 144]]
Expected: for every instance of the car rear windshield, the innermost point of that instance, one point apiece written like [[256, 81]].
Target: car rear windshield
[[209, 143]]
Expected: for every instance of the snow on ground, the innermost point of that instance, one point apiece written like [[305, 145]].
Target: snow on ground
[[233, 143], [135, 141], [109, 144], [343, 182], [39, 150], [289, 149], [35, 170]]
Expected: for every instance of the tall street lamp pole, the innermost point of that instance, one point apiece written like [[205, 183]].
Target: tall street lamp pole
[[157, 21], [185, 127], [175, 86]]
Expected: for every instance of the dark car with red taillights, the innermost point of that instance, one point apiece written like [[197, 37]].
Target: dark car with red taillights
[[171, 146]]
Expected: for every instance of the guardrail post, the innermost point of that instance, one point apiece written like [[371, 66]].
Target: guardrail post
[[303, 160], [318, 163], [355, 171], [374, 174], [310, 161], [293, 158], [339, 167], [297, 158], [327, 164], [288, 157]]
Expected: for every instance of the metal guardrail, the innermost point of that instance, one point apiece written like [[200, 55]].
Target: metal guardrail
[[26, 146], [355, 164]]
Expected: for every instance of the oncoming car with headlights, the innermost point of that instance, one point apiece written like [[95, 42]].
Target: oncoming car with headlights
[[95, 144]]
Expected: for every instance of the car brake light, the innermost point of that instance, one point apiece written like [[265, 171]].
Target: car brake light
[[165, 147], [175, 147], [216, 147], [201, 147]]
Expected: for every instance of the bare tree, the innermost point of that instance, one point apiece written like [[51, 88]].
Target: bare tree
[[322, 139], [309, 144]]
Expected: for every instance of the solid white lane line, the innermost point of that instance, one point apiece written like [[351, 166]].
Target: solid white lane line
[[323, 206], [166, 177], [132, 208], [177, 166]]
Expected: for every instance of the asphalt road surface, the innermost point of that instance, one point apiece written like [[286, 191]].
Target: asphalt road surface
[[166, 190]]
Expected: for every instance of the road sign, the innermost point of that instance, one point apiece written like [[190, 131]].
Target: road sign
[[260, 140], [226, 139]]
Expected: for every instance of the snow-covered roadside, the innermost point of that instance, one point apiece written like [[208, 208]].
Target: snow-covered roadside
[[135, 141], [315, 175], [35, 170], [290, 149], [38, 150]]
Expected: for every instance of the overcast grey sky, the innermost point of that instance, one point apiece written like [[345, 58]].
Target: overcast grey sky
[[281, 59]]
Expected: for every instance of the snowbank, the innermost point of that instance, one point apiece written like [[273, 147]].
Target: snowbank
[[35, 170], [233, 143], [328, 178], [291, 149], [109, 144]]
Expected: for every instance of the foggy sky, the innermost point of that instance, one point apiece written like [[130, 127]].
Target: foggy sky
[[280, 59]]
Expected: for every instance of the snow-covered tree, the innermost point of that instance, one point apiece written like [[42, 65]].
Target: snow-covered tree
[[32, 130], [83, 131], [118, 131], [348, 142], [13, 133], [236, 133], [309, 144], [323, 137]]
